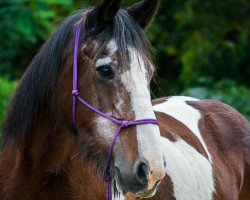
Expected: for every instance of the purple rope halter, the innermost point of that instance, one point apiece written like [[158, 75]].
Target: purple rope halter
[[121, 124]]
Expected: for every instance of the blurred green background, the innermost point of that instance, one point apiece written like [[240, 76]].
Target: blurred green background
[[202, 48]]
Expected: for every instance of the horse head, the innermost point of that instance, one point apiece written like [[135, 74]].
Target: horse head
[[115, 70], [114, 73]]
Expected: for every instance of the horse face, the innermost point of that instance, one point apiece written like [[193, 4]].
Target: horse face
[[114, 76], [121, 89]]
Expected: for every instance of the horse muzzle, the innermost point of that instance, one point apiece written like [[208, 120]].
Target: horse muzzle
[[142, 182]]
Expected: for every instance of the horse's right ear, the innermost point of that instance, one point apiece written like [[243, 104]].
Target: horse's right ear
[[104, 12], [144, 11]]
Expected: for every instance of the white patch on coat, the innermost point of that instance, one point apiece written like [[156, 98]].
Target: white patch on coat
[[180, 110], [105, 127], [112, 47], [103, 61], [117, 196], [190, 172], [136, 84]]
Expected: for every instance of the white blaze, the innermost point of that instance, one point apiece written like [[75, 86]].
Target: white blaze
[[136, 85]]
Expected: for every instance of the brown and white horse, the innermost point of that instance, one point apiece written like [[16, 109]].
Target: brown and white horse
[[200, 151]]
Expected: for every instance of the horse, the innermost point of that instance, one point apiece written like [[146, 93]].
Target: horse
[[197, 150]]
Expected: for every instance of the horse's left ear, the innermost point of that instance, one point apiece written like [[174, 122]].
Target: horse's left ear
[[144, 11], [105, 11]]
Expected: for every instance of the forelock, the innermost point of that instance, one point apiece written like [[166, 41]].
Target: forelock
[[125, 32]]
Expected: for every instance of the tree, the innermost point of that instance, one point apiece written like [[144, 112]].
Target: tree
[[201, 46]]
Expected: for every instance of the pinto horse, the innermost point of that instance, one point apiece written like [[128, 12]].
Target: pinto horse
[[199, 151]]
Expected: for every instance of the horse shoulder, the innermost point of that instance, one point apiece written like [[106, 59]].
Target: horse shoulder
[[227, 134], [187, 157], [211, 130]]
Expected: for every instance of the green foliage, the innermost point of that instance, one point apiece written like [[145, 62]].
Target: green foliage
[[200, 45], [6, 90], [202, 38], [24, 26], [227, 91]]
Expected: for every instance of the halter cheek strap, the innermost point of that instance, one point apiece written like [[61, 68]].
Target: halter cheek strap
[[121, 124]]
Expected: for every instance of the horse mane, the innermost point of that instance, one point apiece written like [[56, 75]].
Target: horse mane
[[36, 88], [37, 84]]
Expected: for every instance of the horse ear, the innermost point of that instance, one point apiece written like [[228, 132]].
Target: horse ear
[[144, 11], [105, 11]]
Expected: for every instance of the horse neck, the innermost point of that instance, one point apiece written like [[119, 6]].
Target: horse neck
[[45, 145], [45, 158], [24, 163]]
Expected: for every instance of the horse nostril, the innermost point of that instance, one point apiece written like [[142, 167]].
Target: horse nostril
[[141, 172]]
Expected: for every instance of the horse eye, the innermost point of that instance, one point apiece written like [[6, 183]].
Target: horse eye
[[105, 71]]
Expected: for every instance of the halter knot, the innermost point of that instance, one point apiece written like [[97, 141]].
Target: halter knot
[[75, 93], [125, 123]]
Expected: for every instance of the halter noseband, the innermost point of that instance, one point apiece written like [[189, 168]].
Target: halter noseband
[[121, 124]]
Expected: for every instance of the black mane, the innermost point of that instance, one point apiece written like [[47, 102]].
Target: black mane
[[36, 88]]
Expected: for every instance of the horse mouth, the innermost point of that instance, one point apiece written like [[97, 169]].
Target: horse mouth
[[143, 193], [122, 188]]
